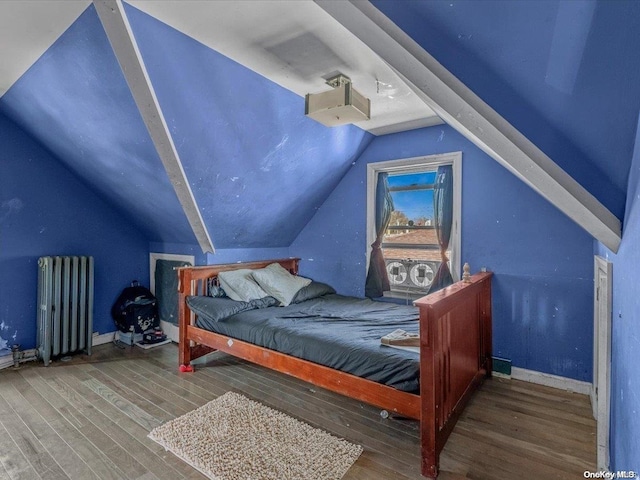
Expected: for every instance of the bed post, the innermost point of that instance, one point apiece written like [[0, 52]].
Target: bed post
[[184, 316], [487, 334], [428, 388]]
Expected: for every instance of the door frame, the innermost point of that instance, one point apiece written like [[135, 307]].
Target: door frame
[[601, 390]]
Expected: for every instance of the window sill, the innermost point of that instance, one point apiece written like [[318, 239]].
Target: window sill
[[403, 295]]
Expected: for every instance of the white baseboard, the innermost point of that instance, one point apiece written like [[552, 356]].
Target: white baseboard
[[555, 381], [7, 360], [102, 339], [171, 331]]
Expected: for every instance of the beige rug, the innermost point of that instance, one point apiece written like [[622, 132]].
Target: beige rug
[[234, 438]]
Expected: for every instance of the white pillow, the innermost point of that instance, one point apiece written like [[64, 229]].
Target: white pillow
[[240, 285], [279, 283]]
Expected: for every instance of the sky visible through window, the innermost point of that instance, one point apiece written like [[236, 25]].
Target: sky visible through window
[[415, 204]]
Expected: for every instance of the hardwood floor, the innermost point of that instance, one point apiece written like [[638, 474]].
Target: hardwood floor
[[89, 419]]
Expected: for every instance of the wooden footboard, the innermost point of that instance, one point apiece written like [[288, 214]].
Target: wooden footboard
[[455, 354]]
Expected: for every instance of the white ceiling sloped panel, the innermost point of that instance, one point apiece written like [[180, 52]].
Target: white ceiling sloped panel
[[28, 29]]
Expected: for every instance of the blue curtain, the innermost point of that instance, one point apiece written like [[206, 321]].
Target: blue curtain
[[443, 219], [377, 278]]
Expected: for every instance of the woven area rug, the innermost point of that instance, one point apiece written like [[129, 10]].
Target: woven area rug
[[233, 437]]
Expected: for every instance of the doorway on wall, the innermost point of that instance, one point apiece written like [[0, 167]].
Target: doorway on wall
[[164, 285], [600, 393]]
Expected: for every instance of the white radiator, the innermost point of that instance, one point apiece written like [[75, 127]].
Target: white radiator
[[65, 300]]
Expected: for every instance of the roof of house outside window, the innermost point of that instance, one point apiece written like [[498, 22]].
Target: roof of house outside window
[[415, 237], [404, 253], [422, 236]]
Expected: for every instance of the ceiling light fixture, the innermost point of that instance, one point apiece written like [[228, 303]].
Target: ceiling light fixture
[[339, 106]]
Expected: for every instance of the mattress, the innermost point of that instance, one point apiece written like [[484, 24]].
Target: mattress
[[336, 331]]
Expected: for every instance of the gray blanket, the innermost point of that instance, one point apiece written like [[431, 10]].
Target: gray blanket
[[339, 332]]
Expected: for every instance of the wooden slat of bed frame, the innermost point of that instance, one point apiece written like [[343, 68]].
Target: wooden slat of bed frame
[[395, 401]]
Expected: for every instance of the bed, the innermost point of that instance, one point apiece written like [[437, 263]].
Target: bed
[[305, 340]]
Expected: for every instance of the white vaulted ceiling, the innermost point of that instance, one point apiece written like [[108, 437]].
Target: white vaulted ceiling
[[28, 29]]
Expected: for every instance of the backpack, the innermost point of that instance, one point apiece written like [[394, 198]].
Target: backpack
[[135, 310]]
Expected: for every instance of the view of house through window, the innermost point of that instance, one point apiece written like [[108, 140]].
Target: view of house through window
[[410, 244]]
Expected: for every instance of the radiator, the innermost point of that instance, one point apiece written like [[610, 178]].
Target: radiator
[[65, 299]]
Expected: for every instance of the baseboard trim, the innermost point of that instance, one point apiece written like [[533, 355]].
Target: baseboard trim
[[7, 360], [171, 331], [548, 380], [102, 339]]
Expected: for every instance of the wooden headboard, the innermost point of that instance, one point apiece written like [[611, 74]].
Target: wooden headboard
[[193, 280]]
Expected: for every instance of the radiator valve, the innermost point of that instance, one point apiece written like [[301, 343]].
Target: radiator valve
[[17, 355]]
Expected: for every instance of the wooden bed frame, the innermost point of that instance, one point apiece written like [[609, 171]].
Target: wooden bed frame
[[455, 354]]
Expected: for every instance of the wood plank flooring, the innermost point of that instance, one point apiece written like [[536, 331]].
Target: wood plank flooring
[[89, 419]]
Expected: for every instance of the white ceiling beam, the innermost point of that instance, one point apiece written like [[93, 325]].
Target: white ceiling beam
[[463, 110], [116, 25]]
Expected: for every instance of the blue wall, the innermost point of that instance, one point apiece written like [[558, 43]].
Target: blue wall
[[542, 261], [222, 255], [200, 258], [625, 342], [233, 255], [257, 166], [75, 102], [46, 210]]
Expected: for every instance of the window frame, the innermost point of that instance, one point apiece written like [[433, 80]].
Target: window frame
[[415, 165]]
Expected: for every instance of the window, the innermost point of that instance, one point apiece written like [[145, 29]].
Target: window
[[410, 244]]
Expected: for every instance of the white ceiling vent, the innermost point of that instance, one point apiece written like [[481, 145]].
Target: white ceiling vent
[[339, 106]]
